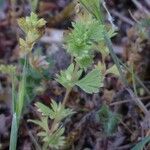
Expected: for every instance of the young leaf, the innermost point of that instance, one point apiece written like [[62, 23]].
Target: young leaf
[[65, 77], [56, 140], [84, 62], [58, 111], [21, 94], [113, 70], [43, 109], [43, 123], [91, 82]]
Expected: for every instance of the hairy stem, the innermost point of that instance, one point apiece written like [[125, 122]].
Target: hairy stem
[[66, 96], [68, 90]]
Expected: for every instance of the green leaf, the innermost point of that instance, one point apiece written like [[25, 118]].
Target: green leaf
[[91, 82], [43, 109], [84, 62], [56, 140], [43, 123], [14, 133], [93, 6], [21, 93], [65, 77], [113, 70], [141, 144], [82, 38], [58, 111]]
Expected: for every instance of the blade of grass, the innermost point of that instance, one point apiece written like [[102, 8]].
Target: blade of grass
[[13, 94], [17, 107], [14, 133], [21, 92]]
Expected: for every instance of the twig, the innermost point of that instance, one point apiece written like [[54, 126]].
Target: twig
[[141, 7], [126, 101], [138, 102], [34, 141], [123, 18], [125, 147], [127, 128], [55, 122], [66, 96]]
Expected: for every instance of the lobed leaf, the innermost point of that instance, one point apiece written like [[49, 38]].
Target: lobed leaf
[[91, 82]]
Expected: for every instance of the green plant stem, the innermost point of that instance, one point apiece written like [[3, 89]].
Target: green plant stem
[[66, 96], [114, 57], [14, 133], [22, 87], [13, 93], [17, 107], [112, 53], [68, 90]]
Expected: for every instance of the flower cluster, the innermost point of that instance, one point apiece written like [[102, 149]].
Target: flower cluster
[[33, 29]]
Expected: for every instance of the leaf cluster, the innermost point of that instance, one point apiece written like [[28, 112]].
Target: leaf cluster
[[66, 77], [53, 138], [80, 41], [89, 83]]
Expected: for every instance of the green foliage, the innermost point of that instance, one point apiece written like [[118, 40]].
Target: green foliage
[[87, 32], [57, 111], [32, 27], [91, 82], [8, 69], [81, 40], [84, 61], [31, 24], [92, 6], [53, 138], [113, 70], [65, 77], [141, 144], [109, 120], [43, 123], [35, 77], [13, 135], [21, 95]]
